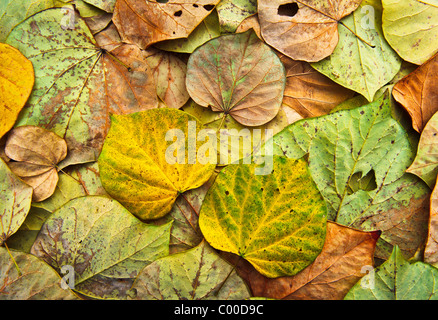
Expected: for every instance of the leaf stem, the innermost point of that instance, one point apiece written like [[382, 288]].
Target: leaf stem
[[359, 37], [15, 263], [118, 60]]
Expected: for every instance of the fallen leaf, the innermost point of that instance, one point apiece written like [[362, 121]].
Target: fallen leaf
[[15, 200], [37, 281], [239, 75], [137, 166], [105, 263], [145, 23], [232, 13], [410, 27], [346, 254], [303, 30], [36, 153], [362, 143], [277, 222], [362, 64], [309, 92], [397, 279], [431, 250], [418, 93], [16, 83], [106, 5], [251, 22], [196, 274]]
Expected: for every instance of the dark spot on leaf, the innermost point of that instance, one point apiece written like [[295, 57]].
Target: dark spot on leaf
[[288, 9], [162, 1], [178, 13], [209, 7], [227, 193], [195, 5]]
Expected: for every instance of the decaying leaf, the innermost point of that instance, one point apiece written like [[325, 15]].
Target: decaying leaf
[[37, 281], [36, 153], [346, 254], [356, 144], [15, 200], [252, 22], [16, 83], [104, 243], [431, 251], [148, 168], [196, 274], [276, 221], [418, 93], [303, 30], [237, 74], [232, 13], [146, 22], [410, 26]]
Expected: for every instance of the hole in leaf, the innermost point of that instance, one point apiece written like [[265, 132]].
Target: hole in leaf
[[288, 9], [209, 7], [162, 1], [195, 5], [366, 183], [178, 13]]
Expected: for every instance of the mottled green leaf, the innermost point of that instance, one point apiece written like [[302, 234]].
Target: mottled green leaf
[[276, 221], [196, 274], [104, 243], [397, 279], [37, 281], [348, 146], [15, 200], [355, 64], [232, 13], [410, 27]]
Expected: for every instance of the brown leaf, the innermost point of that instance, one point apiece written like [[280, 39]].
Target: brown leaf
[[252, 22], [309, 92], [418, 93], [337, 268], [36, 152], [431, 251], [146, 22], [303, 29]]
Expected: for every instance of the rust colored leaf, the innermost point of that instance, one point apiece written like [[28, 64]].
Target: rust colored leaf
[[303, 29], [431, 251], [146, 22], [309, 92], [418, 93], [36, 152], [345, 255]]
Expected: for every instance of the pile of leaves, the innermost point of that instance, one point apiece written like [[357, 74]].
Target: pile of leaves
[[97, 95]]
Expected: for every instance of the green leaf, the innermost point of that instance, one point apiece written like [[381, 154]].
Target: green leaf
[[355, 64], [196, 274], [138, 166], [277, 221], [239, 75], [106, 5], [37, 281], [397, 279], [232, 13], [15, 200], [410, 27], [104, 243], [363, 142]]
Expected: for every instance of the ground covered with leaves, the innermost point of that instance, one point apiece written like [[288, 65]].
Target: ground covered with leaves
[[218, 149]]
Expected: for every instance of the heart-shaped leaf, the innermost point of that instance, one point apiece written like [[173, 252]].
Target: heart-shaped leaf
[[410, 26], [196, 274], [137, 163], [36, 152], [239, 75], [105, 244], [363, 143], [37, 281], [15, 200], [16, 83], [277, 222]]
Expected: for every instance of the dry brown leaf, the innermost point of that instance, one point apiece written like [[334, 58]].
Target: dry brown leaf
[[35, 153], [252, 22], [431, 251], [418, 93], [342, 262], [143, 22], [305, 29], [309, 92]]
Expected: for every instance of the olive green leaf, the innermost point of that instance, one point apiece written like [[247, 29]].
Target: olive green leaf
[[37, 281], [356, 65], [196, 274], [397, 279], [104, 243], [138, 165], [358, 160], [232, 13], [277, 221], [410, 27], [15, 200], [239, 75]]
